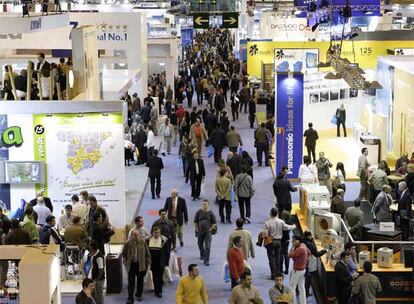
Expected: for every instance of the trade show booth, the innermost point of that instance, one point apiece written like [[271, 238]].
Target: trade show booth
[[48, 148]]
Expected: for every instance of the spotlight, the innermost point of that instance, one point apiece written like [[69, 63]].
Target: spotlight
[[315, 26], [368, 12]]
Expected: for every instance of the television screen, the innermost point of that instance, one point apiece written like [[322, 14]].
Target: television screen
[[23, 172]]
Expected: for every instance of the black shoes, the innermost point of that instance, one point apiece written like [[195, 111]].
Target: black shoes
[[181, 243]]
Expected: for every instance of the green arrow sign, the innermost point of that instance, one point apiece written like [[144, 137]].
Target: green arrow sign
[[230, 20], [201, 20]]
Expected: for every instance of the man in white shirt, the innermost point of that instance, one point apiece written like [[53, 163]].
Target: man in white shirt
[[79, 208], [150, 144], [66, 218], [139, 226], [42, 211]]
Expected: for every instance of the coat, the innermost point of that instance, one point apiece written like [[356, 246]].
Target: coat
[[193, 136], [337, 206], [340, 115], [234, 164], [343, 282], [233, 139], [405, 204], [191, 169], [282, 189], [144, 255], [155, 166], [162, 262], [354, 217], [247, 245], [223, 188], [182, 214], [381, 207], [243, 185], [218, 138], [311, 136]]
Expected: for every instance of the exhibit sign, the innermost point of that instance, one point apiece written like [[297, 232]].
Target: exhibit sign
[[366, 52], [289, 122], [76, 158], [296, 60], [285, 29]]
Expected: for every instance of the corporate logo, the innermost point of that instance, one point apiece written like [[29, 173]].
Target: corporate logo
[[253, 50], [279, 54], [399, 52], [36, 24], [11, 137], [290, 27]]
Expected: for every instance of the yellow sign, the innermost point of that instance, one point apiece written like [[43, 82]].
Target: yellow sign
[[366, 52]]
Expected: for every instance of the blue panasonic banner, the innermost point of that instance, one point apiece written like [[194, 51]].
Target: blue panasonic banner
[[289, 122]]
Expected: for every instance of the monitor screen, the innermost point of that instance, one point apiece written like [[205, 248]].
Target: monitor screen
[[23, 172]]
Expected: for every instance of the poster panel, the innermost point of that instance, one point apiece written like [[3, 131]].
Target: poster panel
[[289, 122]]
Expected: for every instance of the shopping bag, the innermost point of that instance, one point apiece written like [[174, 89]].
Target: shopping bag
[[210, 151], [240, 150], [334, 120], [226, 272], [174, 264], [233, 196], [166, 275], [179, 162], [150, 281], [202, 189]]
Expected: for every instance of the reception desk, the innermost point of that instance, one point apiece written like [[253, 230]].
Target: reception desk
[[397, 282]]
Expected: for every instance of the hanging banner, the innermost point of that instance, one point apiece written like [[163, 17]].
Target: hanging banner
[[289, 122]]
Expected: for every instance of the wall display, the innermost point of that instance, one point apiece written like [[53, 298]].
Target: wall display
[[296, 60], [76, 158], [289, 122], [366, 52]]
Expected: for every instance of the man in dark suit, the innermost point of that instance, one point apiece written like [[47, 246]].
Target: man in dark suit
[[177, 212], [42, 66], [311, 136], [196, 173], [218, 141], [282, 188], [404, 209], [47, 201], [343, 279], [140, 138], [340, 120], [155, 166]]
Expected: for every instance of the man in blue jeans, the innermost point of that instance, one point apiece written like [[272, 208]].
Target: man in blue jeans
[[205, 225]]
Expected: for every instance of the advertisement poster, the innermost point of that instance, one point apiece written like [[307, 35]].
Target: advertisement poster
[[296, 60], [289, 122], [80, 158]]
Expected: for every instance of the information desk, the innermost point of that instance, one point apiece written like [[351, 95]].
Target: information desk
[[397, 282]]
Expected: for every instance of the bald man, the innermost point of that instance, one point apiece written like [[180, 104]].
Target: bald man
[[176, 208]]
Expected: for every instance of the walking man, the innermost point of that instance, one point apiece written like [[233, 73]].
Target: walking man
[[340, 120], [196, 173], [311, 136], [233, 139], [274, 228], [367, 284], [155, 166], [262, 138], [191, 289], [281, 189], [177, 213], [205, 226], [166, 131], [300, 255], [245, 293], [244, 189]]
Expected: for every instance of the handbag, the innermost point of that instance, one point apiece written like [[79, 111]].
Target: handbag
[[210, 151], [166, 275], [334, 119], [226, 272], [150, 281]]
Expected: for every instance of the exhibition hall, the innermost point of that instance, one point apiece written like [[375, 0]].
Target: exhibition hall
[[207, 151]]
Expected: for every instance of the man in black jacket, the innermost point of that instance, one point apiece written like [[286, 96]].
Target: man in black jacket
[[282, 188], [312, 266], [311, 136], [252, 112], [176, 208], [155, 166], [167, 229], [195, 172], [234, 162], [85, 295], [218, 141], [343, 279], [211, 122], [140, 138], [99, 233], [404, 209]]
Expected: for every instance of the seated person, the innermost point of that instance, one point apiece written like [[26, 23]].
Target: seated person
[[66, 218]]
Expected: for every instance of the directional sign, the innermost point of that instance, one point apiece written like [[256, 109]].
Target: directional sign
[[201, 20], [230, 20]]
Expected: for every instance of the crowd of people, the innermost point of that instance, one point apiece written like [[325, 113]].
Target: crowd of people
[[48, 80], [216, 75]]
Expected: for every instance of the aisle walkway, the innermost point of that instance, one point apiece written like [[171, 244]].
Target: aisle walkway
[[262, 201]]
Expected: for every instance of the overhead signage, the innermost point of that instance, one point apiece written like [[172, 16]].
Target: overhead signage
[[230, 20], [289, 122], [366, 52], [285, 29], [296, 60], [201, 20]]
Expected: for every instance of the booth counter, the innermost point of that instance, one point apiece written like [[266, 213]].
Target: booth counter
[[397, 281], [38, 264]]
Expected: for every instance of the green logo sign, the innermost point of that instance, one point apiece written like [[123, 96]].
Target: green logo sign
[[11, 137]]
